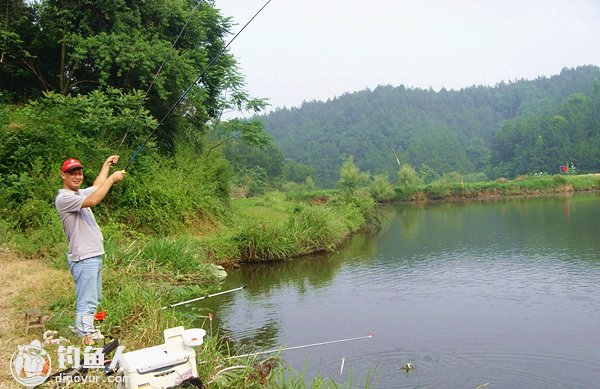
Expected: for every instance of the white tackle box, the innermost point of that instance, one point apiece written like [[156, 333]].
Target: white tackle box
[[162, 366]]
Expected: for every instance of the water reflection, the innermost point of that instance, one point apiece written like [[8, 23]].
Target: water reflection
[[506, 292], [565, 224], [310, 272]]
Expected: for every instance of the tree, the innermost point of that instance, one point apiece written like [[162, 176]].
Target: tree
[[478, 153], [68, 125], [450, 130], [408, 181], [428, 174], [76, 47], [381, 189], [541, 143], [297, 172], [85, 65], [245, 156], [407, 176], [351, 178]]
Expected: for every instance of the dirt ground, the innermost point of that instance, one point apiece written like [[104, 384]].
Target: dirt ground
[[23, 284]]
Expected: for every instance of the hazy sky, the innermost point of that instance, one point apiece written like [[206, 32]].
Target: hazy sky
[[298, 50]]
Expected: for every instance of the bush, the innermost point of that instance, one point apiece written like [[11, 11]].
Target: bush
[[476, 177], [351, 178], [559, 179], [584, 182], [357, 211], [263, 241], [315, 228], [439, 190], [409, 182], [178, 192], [381, 189]]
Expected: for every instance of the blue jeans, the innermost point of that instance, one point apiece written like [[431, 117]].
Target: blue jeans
[[87, 275]]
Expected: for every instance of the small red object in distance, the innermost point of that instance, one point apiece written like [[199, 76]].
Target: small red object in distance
[[100, 315]]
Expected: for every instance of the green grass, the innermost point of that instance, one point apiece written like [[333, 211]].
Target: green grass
[[270, 207], [144, 271], [585, 182], [273, 226], [311, 195], [524, 185]]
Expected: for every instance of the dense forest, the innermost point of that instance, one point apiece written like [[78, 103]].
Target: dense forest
[[89, 79], [510, 129]]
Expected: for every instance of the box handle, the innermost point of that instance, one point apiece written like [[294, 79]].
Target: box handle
[[165, 365]]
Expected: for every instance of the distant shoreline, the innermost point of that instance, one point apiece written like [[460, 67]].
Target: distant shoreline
[[522, 186]]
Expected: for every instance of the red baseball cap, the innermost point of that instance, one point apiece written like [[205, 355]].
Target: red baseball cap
[[71, 164]]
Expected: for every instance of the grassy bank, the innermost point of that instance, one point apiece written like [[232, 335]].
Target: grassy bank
[[143, 273], [525, 185], [276, 226]]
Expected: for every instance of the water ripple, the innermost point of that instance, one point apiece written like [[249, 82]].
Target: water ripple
[[432, 369], [507, 293]]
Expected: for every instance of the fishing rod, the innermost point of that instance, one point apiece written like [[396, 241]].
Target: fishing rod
[[192, 85], [203, 297], [302, 346], [139, 108]]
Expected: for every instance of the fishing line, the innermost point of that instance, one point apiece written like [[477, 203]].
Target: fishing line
[[204, 297], [301, 347], [139, 108], [192, 85]]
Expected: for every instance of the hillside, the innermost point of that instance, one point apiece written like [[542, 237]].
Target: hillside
[[448, 130]]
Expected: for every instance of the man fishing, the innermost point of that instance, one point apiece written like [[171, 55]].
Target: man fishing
[[84, 238]]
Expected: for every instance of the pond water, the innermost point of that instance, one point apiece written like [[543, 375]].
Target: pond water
[[503, 292]]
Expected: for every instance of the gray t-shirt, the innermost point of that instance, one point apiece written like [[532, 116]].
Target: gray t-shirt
[[83, 233]]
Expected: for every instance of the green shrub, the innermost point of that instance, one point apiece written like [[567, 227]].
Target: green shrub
[[179, 192], [381, 189], [357, 211], [351, 178], [315, 228], [559, 179], [475, 177], [262, 241], [438, 190], [409, 183], [586, 182]]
